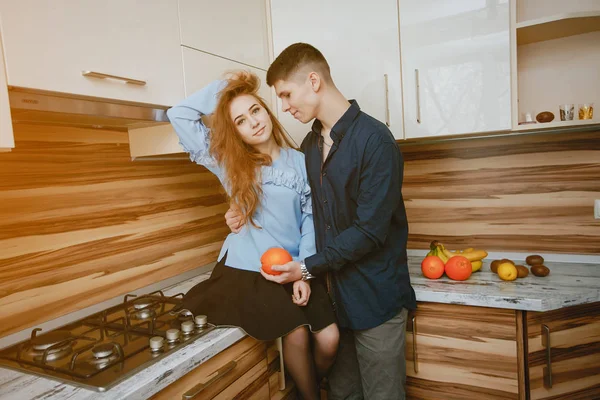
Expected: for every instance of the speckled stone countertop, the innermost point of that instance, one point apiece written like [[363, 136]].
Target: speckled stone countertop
[[567, 285]]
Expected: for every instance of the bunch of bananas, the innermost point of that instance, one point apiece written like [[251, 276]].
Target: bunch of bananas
[[474, 255]]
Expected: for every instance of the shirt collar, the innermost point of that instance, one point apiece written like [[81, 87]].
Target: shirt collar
[[339, 129]]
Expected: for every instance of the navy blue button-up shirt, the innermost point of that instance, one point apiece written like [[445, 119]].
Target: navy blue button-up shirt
[[360, 219]]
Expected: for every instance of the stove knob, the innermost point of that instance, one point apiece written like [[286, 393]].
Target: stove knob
[[200, 320], [156, 342], [187, 327], [172, 334]]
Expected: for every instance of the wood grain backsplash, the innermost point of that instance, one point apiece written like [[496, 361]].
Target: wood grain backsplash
[[81, 223], [530, 193]]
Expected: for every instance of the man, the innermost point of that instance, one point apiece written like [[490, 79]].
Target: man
[[355, 170]]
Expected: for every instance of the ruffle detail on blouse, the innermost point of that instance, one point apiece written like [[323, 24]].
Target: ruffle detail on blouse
[[290, 180]]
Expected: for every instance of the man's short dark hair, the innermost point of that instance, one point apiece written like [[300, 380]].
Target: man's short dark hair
[[295, 58]]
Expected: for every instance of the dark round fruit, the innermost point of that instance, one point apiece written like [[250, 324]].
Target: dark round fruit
[[534, 260], [540, 270]]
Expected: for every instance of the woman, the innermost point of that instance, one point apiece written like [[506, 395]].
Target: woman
[[265, 178]]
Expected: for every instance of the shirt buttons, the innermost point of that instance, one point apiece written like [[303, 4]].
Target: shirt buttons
[[324, 174], [328, 227], [325, 201]]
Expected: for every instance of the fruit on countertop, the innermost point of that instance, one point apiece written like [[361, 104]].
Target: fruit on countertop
[[458, 268], [534, 260], [475, 256], [494, 265], [476, 265], [540, 270], [522, 271], [432, 267], [274, 256], [436, 249], [507, 271]]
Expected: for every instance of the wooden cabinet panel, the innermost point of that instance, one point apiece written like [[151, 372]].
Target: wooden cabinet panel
[[564, 353], [461, 352], [124, 38], [227, 374]]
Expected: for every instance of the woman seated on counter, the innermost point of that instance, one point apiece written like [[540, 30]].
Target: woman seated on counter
[[265, 178]]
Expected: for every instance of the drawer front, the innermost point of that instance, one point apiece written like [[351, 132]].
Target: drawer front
[[456, 352], [216, 375], [564, 353]]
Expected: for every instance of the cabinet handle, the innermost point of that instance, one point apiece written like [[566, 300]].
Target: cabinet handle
[[548, 369], [221, 372], [100, 75], [415, 366], [387, 100], [418, 87]]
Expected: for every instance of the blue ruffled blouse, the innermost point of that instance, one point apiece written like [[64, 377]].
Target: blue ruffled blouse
[[285, 212]]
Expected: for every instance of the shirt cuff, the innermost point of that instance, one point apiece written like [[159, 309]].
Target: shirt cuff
[[316, 264]]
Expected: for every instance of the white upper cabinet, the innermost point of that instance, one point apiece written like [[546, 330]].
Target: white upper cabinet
[[455, 66], [232, 29], [6, 131], [50, 43], [200, 69], [360, 41]]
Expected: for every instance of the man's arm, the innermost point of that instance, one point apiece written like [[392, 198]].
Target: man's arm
[[379, 194]]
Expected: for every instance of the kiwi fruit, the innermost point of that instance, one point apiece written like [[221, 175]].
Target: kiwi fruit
[[540, 270], [522, 271], [534, 260]]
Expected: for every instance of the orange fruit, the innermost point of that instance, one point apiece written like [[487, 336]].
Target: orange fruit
[[274, 256], [507, 271], [458, 268], [432, 267]]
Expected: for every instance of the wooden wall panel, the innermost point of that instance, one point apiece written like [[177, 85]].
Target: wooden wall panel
[[531, 193], [81, 223]]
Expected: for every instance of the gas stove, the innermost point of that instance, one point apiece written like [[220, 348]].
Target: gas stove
[[105, 348]]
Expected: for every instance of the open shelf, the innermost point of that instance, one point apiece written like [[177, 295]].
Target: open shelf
[[557, 26], [557, 124]]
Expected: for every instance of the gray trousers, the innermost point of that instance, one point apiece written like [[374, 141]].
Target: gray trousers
[[370, 363]]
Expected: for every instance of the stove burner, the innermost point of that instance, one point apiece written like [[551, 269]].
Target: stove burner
[[145, 309], [102, 362], [103, 350], [39, 345], [42, 342]]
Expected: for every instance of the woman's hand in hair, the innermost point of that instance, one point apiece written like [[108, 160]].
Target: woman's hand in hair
[[301, 293], [233, 219]]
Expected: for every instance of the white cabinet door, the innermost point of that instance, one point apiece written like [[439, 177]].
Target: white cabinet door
[[232, 29], [6, 131], [48, 43], [455, 66], [201, 68], [360, 41]]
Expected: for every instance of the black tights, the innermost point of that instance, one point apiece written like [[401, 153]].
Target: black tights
[[300, 361]]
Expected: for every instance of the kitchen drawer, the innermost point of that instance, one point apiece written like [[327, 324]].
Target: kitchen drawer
[[240, 368], [564, 353], [128, 39], [461, 352], [201, 68], [236, 30]]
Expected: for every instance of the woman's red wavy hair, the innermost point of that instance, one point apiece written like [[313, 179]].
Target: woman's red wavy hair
[[241, 161]]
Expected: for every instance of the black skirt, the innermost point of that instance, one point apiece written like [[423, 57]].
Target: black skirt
[[263, 309]]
